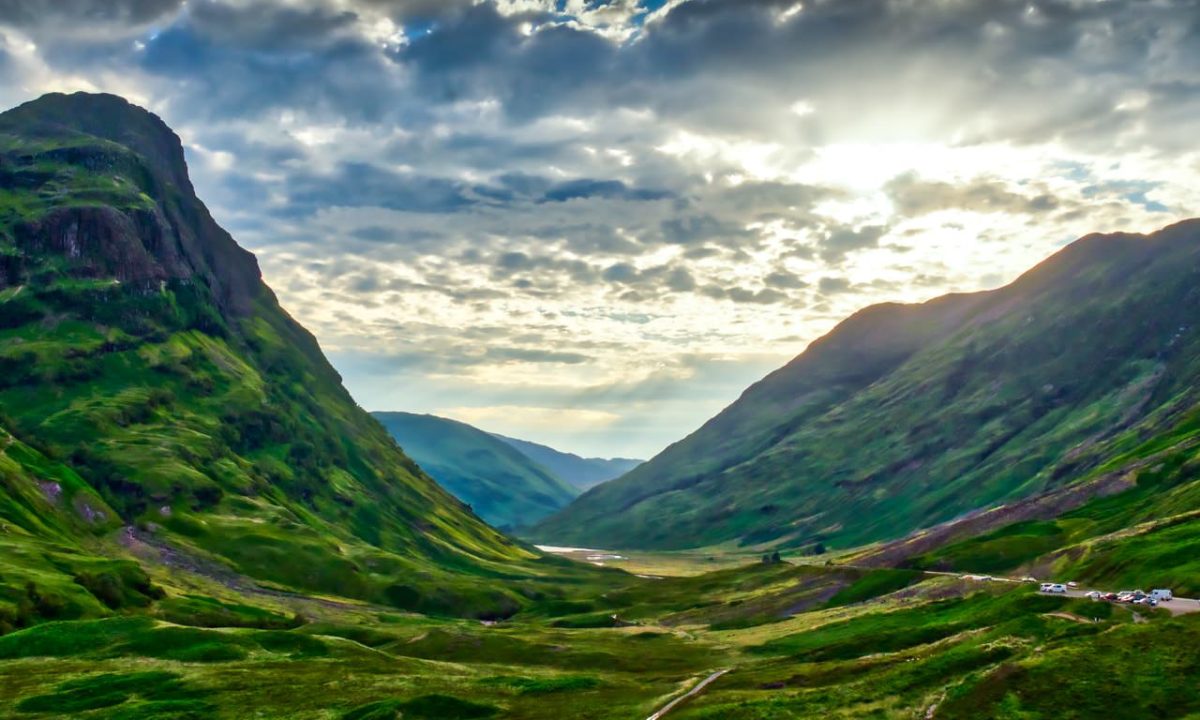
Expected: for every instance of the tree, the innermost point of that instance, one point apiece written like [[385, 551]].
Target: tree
[[775, 557]]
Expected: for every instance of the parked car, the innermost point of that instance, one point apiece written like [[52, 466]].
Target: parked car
[[1045, 587], [1162, 594], [1057, 588], [1093, 594], [1110, 596], [1072, 584]]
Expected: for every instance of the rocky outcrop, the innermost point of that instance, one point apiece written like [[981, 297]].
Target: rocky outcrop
[[142, 241]]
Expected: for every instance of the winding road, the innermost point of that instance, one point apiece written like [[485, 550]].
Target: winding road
[[689, 694]]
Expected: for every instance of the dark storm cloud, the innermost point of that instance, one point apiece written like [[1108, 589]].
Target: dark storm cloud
[[482, 53], [365, 185], [266, 28], [39, 13], [221, 77]]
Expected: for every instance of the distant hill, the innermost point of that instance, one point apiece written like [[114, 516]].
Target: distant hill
[[583, 473], [906, 416], [501, 484]]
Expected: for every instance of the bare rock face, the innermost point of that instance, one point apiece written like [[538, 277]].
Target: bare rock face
[[172, 237], [101, 242]]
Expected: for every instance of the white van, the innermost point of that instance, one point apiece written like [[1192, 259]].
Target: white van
[[1161, 595]]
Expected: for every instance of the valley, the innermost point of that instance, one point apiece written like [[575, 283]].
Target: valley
[[197, 520]]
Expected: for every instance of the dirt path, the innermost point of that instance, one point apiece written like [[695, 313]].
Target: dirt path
[[1068, 616], [688, 695]]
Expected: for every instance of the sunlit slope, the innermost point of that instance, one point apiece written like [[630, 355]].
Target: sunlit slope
[[141, 351], [500, 483], [910, 415]]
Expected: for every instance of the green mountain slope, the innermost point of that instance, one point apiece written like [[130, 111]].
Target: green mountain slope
[[165, 389], [905, 416], [501, 484], [582, 473]]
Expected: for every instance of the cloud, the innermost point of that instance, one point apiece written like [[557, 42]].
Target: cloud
[[539, 204], [840, 241], [914, 196], [534, 355], [62, 15], [588, 188], [532, 420], [833, 285]]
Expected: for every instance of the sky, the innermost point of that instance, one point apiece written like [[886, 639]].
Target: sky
[[593, 224]]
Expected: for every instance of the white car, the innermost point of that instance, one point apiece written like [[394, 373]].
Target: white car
[[1092, 594], [1056, 588]]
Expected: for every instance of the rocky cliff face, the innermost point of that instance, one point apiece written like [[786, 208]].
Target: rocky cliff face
[[144, 225]]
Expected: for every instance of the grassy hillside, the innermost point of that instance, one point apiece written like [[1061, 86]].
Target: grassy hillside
[[580, 472], [960, 403], [502, 485], [149, 379]]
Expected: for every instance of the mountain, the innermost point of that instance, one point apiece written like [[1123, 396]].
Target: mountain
[[156, 401], [907, 416], [582, 473], [503, 486]]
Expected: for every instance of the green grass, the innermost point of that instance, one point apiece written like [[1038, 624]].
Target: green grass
[[1134, 666], [163, 689]]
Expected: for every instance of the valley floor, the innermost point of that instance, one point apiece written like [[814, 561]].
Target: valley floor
[[752, 640]]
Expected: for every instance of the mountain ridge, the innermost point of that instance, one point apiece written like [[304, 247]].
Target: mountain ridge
[[955, 404], [582, 473], [501, 484]]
